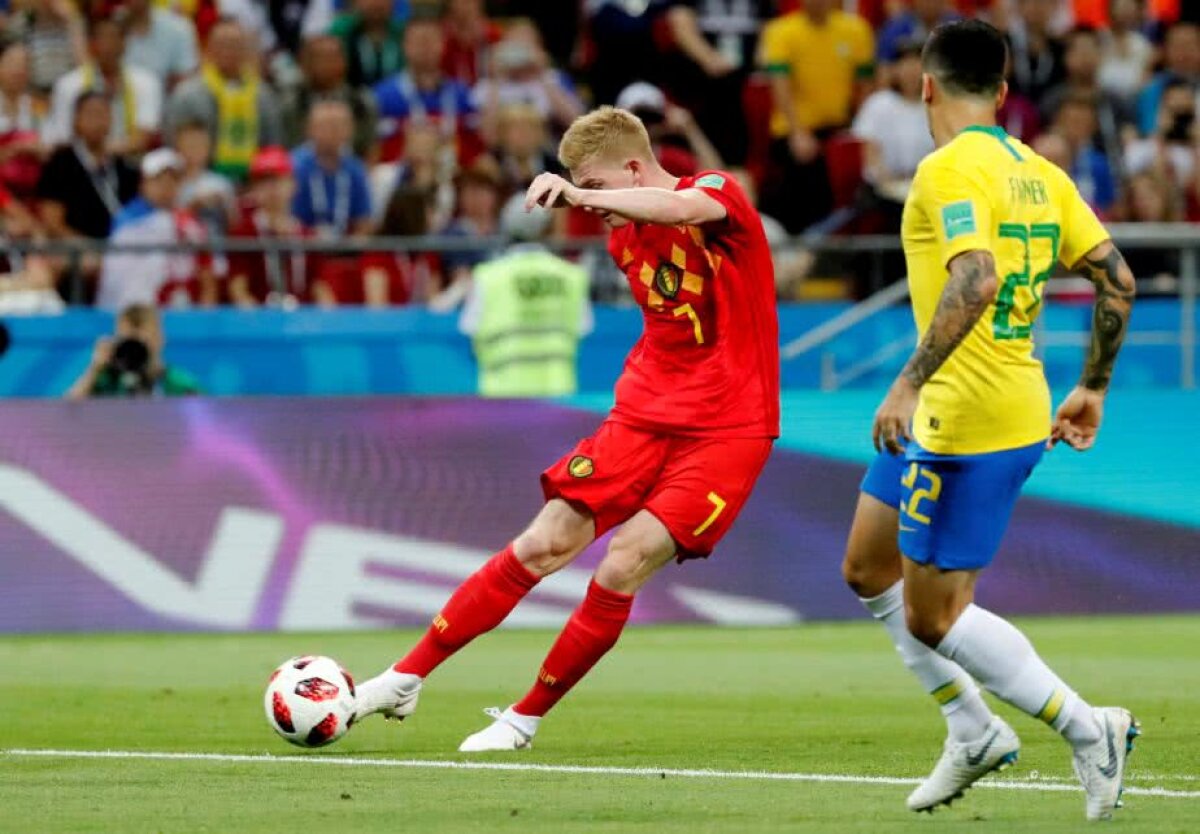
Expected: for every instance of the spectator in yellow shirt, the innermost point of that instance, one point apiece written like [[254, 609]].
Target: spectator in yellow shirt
[[820, 61]]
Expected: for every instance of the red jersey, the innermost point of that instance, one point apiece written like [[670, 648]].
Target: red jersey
[[707, 363]]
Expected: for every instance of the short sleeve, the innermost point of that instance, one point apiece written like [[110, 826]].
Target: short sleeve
[[1082, 231], [775, 53], [870, 122], [723, 188], [959, 208]]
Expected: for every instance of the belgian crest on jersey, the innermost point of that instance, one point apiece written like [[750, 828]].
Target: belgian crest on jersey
[[581, 466], [667, 280]]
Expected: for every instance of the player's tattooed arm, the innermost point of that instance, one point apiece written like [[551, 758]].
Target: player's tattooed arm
[[1115, 290], [969, 290]]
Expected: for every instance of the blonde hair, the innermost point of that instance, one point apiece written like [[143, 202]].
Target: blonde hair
[[608, 133]]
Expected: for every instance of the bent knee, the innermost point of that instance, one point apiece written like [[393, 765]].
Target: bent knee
[[542, 552], [868, 577], [627, 566], [929, 627]]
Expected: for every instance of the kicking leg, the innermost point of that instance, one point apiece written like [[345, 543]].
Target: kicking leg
[[638, 550], [558, 534], [872, 569], [941, 614]]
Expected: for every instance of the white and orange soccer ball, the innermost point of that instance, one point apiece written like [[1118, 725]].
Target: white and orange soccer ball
[[310, 701]]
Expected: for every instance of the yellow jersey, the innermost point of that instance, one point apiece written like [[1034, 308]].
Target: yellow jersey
[[822, 62], [987, 191]]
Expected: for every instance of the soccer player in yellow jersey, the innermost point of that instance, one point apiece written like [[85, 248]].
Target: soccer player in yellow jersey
[[968, 419]]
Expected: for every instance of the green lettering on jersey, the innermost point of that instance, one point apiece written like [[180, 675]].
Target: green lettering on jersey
[[958, 219]]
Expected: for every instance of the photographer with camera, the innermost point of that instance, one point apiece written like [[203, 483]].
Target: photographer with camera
[[130, 363]]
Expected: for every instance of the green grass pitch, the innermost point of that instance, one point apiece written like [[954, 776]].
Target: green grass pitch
[[814, 699]]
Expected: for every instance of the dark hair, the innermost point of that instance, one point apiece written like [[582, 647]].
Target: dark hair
[[1174, 82], [190, 125], [87, 96], [9, 43], [967, 57], [1083, 31]]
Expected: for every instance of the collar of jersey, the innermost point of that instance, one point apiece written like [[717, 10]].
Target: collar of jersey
[[990, 130]]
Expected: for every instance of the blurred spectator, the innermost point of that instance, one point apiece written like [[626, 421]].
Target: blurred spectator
[[1055, 149], [1018, 115], [253, 16], [479, 201], [372, 39], [83, 186], [54, 32], [423, 93], [1036, 55], [815, 59], [912, 25], [1082, 62], [324, 78], [522, 149], [628, 39], [679, 144], [521, 74], [272, 277], [1170, 152], [228, 96], [160, 42], [469, 38], [136, 95], [21, 120], [526, 312], [130, 364], [718, 43], [1181, 60], [1076, 122], [332, 196], [399, 276], [203, 192], [893, 125], [1126, 53], [156, 277], [1150, 198], [422, 168]]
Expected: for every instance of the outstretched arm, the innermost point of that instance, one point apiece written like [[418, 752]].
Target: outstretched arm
[[1078, 418], [642, 205], [969, 290]]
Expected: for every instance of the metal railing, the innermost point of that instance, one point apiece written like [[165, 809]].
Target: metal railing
[[1181, 237]]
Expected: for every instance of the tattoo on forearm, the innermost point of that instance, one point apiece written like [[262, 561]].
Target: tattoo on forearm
[[968, 292], [1115, 289]]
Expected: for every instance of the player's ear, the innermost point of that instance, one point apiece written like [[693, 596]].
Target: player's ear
[[926, 88], [636, 171], [1002, 94]]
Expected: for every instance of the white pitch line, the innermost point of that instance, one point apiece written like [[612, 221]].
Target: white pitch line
[[593, 770]]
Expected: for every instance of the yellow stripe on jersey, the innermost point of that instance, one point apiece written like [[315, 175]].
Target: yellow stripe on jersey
[[987, 191]]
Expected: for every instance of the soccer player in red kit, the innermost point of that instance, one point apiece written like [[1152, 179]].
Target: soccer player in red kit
[[697, 409]]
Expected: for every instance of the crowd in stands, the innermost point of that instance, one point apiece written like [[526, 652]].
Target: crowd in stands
[[162, 121]]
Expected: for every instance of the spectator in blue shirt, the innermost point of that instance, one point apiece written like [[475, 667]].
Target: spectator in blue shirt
[[1076, 122], [1181, 60], [332, 194], [423, 93], [912, 25]]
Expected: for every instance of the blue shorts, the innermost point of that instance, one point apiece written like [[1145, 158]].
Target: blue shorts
[[953, 509]]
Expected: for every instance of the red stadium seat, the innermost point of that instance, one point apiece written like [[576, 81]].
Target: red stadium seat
[[844, 162]]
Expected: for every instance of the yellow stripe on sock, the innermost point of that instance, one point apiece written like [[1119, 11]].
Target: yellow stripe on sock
[[1053, 706], [947, 692]]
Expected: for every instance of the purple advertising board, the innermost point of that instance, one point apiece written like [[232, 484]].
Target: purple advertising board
[[346, 513]]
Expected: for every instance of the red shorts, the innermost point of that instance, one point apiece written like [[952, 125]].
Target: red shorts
[[695, 486]]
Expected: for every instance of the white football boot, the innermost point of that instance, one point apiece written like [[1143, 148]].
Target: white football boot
[[392, 694], [508, 731], [963, 763], [1100, 766]]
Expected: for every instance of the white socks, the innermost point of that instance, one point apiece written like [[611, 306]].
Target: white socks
[[966, 714], [1002, 659], [527, 724]]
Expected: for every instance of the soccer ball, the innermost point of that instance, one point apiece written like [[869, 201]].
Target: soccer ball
[[310, 701]]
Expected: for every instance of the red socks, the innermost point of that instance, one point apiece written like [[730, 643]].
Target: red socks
[[592, 630], [480, 604]]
